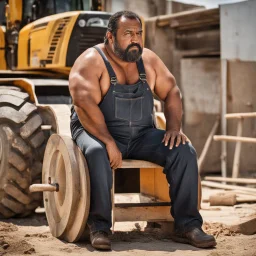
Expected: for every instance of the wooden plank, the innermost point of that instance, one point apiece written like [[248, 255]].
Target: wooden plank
[[234, 138], [198, 16], [134, 198], [161, 185], [224, 186], [235, 180], [236, 162], [240, 115], [129, 163], [158, 213], [147, 181], [224, 67]]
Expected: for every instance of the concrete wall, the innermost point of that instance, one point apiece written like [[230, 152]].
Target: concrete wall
[[200, 80], [238, 31]]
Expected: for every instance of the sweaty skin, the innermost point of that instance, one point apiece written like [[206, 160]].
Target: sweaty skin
[[89, 82]]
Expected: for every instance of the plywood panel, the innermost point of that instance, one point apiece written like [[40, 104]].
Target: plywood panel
[[147, 181], [238, 37], [159, 213]]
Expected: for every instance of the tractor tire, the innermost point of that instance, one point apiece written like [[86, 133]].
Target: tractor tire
[[22, 143]]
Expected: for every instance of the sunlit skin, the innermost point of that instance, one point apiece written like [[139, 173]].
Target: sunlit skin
[[89, 82]]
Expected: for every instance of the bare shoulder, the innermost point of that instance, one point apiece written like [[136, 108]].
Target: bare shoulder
[[89, 62], [154, 61], [148, 55], [84, 77]]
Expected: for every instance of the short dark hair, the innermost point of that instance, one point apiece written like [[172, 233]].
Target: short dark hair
[[113, 21]]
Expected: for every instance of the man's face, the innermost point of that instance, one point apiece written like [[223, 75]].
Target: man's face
[[127, 44]]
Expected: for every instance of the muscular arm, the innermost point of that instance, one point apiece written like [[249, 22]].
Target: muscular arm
[[167, 90], [86, 94]]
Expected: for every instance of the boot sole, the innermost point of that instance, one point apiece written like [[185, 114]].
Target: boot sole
[[199, 245], [102, 247]]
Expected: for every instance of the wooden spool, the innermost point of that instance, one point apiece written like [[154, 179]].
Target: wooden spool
[[66, 210]]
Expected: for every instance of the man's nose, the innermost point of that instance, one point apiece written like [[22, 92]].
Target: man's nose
[[135, 38]]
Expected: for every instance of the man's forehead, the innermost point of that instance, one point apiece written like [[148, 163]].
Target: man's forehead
[[127, 23]]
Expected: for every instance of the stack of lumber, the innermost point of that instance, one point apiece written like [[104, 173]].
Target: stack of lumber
[[235, 193]]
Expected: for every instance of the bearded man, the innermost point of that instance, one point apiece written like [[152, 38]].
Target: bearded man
[[112, 86]]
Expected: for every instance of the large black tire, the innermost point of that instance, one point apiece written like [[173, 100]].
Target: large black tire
[[22, 143]]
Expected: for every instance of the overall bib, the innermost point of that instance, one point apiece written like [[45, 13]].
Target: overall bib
[[128, 113]]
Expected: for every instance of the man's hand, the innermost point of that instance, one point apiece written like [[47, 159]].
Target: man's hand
[[171, 135], [114, 155]]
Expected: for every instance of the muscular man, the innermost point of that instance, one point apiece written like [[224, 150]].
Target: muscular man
[[112, 87]]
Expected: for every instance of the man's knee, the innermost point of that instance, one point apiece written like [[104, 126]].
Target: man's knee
[[95, 150], [187, 152]]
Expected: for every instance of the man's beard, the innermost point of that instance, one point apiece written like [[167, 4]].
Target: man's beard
[[126, 55]]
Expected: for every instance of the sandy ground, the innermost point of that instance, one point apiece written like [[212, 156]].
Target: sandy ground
[[32, 236]]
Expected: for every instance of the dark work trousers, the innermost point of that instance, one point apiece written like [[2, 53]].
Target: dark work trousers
[[127, 110]]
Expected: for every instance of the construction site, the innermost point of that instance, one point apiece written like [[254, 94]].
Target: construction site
[[208, 46]]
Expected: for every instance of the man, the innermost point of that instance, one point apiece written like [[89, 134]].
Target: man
[[111, 86]]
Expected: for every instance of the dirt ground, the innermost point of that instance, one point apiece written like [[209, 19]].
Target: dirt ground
[[32, 236]]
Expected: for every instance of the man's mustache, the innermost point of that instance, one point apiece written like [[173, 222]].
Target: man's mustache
[[132, 45]]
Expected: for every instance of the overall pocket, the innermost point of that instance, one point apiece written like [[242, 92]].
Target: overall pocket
[[128, 109]]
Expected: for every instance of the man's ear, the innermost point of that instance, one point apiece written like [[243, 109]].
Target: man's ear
[[110, 37]]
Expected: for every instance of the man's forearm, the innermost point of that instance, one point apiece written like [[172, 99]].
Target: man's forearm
[[173, 110], [93, 121]]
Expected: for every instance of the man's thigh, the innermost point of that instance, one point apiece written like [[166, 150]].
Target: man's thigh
[[87, 142], [149, 147]]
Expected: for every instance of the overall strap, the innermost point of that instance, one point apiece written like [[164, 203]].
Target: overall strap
[[141, 69], [111, 72]]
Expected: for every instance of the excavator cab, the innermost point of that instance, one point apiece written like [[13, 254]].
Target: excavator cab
[[28, 26]]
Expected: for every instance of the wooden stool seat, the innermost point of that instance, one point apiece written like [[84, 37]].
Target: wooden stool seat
[[131, 163]]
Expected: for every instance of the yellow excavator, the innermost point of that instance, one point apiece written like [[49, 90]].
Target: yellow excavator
[[39, 42]]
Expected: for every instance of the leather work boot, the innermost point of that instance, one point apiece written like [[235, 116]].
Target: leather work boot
[[196, 237], [100, 240]]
